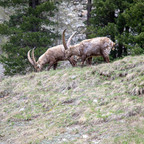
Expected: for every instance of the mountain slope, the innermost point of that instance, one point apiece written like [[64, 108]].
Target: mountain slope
[[97, 104]]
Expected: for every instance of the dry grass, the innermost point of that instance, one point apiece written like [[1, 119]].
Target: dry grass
[[97, 104]]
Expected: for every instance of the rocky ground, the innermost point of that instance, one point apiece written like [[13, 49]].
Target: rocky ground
[[100, 104]]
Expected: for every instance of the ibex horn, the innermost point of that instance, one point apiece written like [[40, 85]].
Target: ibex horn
[[33, 57], [64, 43], [29, 58], [69, 40]]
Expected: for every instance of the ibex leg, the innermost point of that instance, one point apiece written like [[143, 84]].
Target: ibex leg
[[50, 65], [55, 66], [83, 58], [105, 56], [107, 59], [89, 61]]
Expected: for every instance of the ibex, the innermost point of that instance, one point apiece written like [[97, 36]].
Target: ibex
[[51, 56], [100, 46]]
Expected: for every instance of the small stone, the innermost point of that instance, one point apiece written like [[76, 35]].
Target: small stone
[[22, 109], [85, 136], [64, 139], [95, 101], [142, 83], [73, 77]]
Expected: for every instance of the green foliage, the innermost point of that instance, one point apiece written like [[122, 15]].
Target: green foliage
[[122, 21], [137, 50], [25, 30]]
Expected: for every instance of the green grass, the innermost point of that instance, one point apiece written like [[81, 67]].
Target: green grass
[[135, 136], [96, 101]]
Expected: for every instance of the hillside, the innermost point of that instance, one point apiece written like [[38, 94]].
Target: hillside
[[101, 104]]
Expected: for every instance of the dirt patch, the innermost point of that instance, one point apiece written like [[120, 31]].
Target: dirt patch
[[4, 93]]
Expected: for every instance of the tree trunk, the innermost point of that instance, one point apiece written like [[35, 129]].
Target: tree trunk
[[120, 50], [89, 6], [33, 4]]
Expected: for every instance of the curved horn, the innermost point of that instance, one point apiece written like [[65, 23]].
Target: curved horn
[[29, 58], [69, 40], [33, 57], [64, 43]]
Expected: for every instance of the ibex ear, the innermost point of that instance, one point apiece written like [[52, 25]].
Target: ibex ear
[[113, 48]]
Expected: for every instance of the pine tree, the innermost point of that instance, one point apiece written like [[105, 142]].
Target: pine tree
[[112, 18], [134, 17], [28, 27]]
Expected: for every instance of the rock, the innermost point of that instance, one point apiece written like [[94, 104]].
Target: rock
[[65, 140], [3, 16], [85, 136], [71, 15], [22, 109], [95, 101], [1, 70], [73, 77]]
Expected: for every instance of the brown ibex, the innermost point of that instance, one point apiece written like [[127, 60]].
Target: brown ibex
[[100, 46], [51, 57]]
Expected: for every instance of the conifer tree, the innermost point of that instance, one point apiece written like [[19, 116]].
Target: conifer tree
[[28, 27], [134, 17], [122, 21]]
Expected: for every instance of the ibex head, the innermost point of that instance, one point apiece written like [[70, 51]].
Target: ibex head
[[113, 47], [37, 65]]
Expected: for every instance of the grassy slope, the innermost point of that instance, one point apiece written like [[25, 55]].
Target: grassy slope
[[98, 104]]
